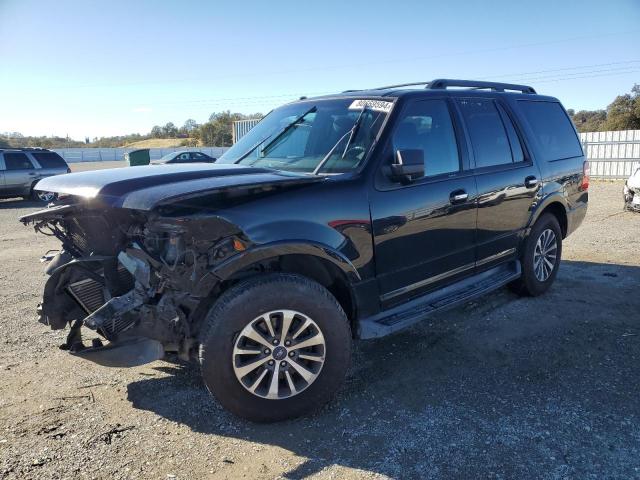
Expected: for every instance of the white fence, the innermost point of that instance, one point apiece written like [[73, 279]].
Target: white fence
[[612, 155], [73, 155], [241, 127]]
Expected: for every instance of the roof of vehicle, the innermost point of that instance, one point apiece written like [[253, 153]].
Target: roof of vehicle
[[464, 87]]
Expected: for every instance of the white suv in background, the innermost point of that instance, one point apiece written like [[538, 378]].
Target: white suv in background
[[631, 191]]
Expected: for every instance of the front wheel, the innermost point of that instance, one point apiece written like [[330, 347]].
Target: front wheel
[[275, 347], [541, 257]]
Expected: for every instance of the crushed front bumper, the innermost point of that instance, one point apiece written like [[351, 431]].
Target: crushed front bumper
[[631, 198]]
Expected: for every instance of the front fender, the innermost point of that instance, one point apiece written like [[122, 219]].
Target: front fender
[[240, 261], [276, 249]]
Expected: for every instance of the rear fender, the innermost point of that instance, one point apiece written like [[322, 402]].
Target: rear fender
[[555, 197]]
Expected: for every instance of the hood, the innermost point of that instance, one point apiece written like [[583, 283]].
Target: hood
[[145, 187]]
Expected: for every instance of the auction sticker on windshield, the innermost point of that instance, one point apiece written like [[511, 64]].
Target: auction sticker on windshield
[[375, 105]]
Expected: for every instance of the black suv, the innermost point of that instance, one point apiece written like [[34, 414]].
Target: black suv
[[350, 215]]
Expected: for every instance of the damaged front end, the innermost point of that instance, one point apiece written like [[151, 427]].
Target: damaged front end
[[631, 195], [136, 278]]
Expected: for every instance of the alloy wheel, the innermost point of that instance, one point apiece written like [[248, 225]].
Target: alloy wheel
[[46, 196], [544, 255], [279, 354]]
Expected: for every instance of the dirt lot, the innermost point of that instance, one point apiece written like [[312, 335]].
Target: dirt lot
[[505, 387]]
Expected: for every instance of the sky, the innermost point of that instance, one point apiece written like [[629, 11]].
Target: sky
[[89, 69]]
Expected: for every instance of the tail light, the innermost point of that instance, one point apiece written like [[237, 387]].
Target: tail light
[[585, 176]]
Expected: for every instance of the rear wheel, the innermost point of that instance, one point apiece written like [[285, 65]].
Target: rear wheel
[[541, 258], [275, 347]]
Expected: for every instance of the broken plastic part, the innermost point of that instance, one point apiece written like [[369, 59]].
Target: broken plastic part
[[131, 352]]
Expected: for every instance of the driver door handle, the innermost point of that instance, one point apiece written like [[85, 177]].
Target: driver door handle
[[458, 196]]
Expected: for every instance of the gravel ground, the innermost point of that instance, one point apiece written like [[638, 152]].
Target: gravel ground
[[503, 387]]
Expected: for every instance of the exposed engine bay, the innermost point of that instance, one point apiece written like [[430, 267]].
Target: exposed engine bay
[[135, 278]]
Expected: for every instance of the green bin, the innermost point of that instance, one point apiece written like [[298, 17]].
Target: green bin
[[137, 157]]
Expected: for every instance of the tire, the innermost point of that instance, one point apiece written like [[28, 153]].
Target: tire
[[532, 283], [228, 329]]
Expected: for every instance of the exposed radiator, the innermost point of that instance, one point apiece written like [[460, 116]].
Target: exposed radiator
[[91, 295]]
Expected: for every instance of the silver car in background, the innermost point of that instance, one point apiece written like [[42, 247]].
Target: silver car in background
[[22, 168]]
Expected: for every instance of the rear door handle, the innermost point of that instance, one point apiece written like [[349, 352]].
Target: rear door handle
[[530, 181], [458, 196]]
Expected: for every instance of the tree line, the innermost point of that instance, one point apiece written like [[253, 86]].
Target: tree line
[[216, 132], [621, 114]]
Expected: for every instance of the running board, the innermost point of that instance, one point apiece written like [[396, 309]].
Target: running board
[[402, 316]]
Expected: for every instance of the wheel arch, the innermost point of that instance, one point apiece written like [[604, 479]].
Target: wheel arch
[[326, 266], [32, 188], [555, 205]]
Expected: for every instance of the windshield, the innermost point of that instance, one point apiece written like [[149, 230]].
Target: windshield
[[323, 136]]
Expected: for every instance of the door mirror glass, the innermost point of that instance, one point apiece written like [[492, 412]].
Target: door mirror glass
[[408, 165]]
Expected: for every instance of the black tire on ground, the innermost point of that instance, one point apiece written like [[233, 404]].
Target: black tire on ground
[[528, 283], [248, 300]]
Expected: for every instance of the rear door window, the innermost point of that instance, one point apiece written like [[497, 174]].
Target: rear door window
[[17, 161], [514, 141], [49, 160], [486, 129], [552, 130]]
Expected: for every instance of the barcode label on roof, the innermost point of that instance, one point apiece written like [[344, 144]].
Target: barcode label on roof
[[375, 105]]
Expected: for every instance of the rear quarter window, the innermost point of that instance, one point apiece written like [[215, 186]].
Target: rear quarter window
[[552, 129], [49, 160]]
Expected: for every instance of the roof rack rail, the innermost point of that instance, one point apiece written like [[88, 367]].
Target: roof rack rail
[[443, 83], [388, 87], [26, 149]]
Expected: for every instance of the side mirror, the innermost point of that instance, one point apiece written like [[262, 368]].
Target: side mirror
[[408, 165]]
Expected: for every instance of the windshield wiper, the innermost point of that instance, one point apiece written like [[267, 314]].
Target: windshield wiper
[[279, 135], [351, 132]]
